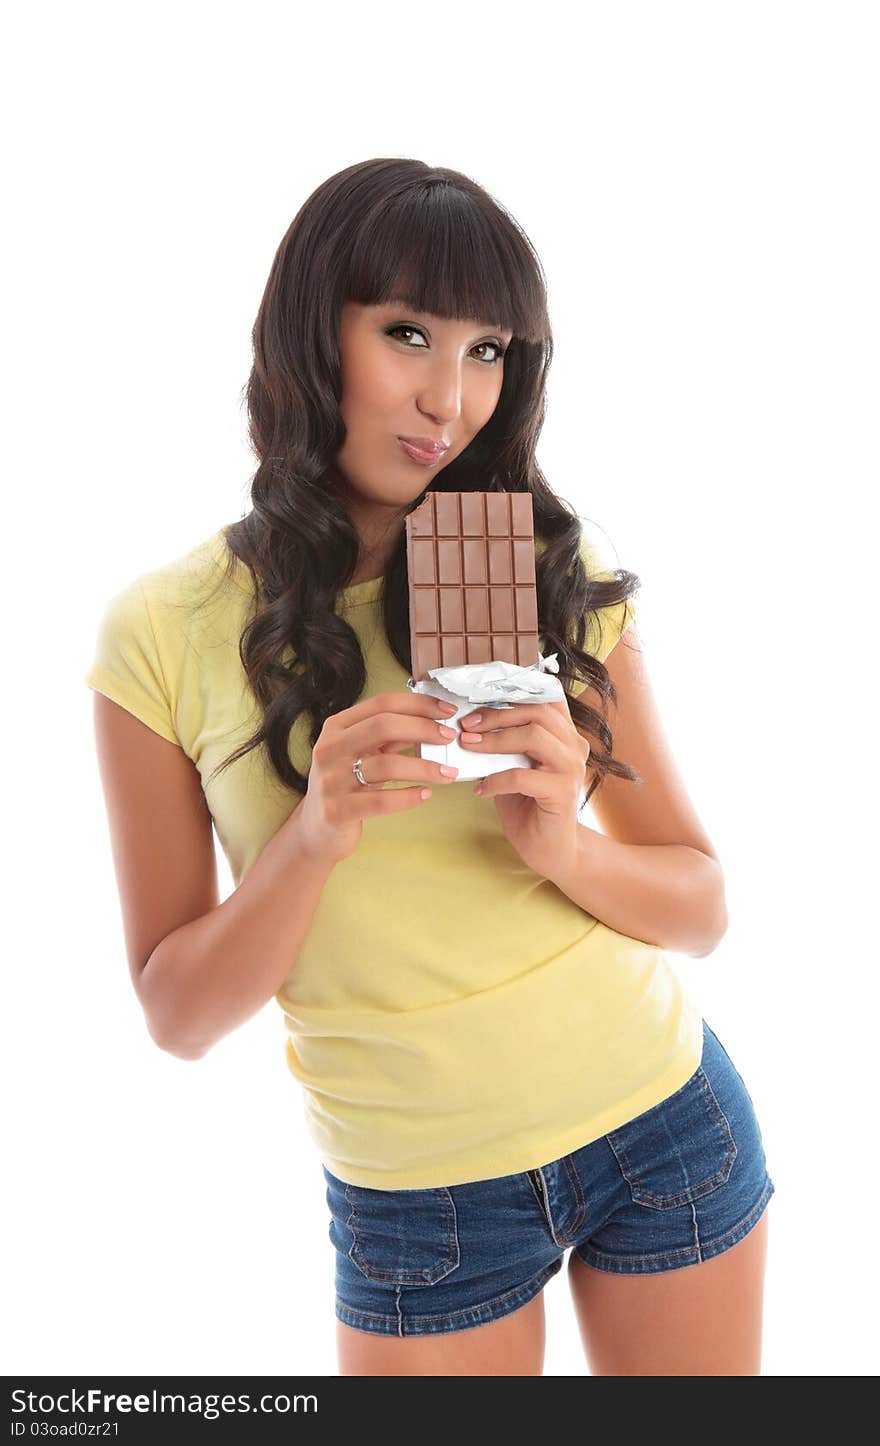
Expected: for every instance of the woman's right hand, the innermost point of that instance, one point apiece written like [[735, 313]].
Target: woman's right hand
[[375, 730]]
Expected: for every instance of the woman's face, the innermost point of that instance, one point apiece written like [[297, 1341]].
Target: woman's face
[[406, 373]]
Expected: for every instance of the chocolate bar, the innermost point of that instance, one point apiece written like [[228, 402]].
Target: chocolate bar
[[472, 591]]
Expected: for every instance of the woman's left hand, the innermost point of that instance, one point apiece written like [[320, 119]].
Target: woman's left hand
[[537, 806]]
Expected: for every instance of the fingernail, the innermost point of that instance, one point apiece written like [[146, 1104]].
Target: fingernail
[[471, 737], [447, 771], [447, 709], [472, 722]]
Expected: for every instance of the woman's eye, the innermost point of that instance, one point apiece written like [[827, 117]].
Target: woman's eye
[[413, 331], [410, 329], [499, 350]]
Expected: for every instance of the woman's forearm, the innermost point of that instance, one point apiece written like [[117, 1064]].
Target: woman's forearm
[[666, 894], [210, 975]]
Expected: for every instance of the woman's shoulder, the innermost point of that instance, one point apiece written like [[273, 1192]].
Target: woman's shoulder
[[194, 574], [595, 548], [191, 591], [193, 596]]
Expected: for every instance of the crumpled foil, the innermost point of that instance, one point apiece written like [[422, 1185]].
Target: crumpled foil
[[492, 685]]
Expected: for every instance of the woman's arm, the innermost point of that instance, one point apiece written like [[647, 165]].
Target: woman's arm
[[200, 967], [212, 974], [666, 894], [651, 871]]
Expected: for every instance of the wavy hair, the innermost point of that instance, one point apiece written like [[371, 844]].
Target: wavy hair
[[432, 237]]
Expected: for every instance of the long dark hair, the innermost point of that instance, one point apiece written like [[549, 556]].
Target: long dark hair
[[430, 236]]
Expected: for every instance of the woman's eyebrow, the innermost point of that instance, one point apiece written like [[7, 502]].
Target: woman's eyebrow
[[399, 301]]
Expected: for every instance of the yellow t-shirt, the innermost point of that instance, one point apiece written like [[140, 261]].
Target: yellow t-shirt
[[452, 1015]]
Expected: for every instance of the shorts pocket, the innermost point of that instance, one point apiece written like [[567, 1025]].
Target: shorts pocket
[[403, 1237], [677, 1151]]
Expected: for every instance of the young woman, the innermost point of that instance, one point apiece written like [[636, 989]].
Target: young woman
[[498, 1061]]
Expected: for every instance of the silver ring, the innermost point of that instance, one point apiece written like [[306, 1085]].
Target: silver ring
[[356, 770]]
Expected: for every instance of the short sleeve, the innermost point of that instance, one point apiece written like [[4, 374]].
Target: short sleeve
[[607, 625], [126, 665]]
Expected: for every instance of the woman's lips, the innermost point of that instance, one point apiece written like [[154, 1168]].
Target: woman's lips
[[426, 459]]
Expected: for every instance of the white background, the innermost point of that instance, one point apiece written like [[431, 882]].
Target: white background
[[700, 182]]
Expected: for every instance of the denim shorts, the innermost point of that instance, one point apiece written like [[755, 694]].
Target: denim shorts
[[676, 1185]]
